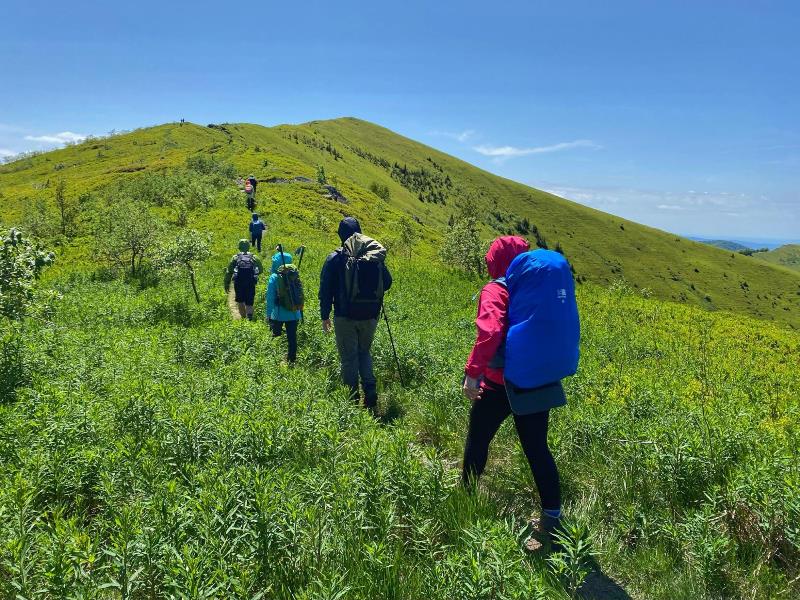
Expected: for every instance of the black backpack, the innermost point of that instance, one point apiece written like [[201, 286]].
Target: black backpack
[[363, 276], [245, 269]]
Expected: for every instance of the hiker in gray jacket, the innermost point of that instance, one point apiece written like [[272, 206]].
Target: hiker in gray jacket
[[352, 283]]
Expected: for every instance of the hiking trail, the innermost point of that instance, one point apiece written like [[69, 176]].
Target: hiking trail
[[232, 306]]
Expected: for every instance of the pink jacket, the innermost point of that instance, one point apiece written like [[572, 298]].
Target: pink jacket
[[491, 321]]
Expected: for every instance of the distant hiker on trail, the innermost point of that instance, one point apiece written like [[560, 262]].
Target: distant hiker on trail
[[251, 179], [244, 270], [257, 228], [353, 281], [527, 341], [284, 300], [250, 190]]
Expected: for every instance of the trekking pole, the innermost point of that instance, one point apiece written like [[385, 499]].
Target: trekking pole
[[394, 350], [302, 252]]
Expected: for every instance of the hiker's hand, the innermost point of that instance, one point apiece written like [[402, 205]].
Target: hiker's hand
[[471, 389], [326, 326]]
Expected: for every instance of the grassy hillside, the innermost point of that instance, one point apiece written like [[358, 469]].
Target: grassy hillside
[[151, 447], [424, 183], [786, 256]]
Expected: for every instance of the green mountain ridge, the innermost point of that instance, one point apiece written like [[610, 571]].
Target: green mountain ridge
[[725, 244], [427, 184], [785, 256]]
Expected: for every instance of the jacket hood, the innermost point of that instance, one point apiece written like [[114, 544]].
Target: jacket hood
[[347, 227], [277, 261], [255, 217], [502, 251], [244, 245]]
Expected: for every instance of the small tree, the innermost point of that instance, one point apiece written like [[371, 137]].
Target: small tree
[[184, 253], [408, 235], [321, 175], [67, 210], [462, 245], [127, 233], [37, 220], [21, 263]]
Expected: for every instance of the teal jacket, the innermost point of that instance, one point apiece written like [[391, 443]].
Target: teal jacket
[[274, 311]]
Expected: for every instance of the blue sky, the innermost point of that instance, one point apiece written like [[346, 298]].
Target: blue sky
[[681, 115]]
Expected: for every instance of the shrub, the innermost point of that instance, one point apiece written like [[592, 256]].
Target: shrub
[[208, 165], [21, 263], [462, 247], [380, 190], [127, 233]]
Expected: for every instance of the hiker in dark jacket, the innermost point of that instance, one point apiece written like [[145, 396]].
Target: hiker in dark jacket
[[257, 228], [485, 385], [355, 314], [244, 269]]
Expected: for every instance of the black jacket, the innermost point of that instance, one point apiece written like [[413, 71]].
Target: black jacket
[[331, 280]]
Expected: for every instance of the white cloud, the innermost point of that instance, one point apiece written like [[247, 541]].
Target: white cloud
[[6, 152], [712, 214], [462, 136], [503, 152], [57, 138]]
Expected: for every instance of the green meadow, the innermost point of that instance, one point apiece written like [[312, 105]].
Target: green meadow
[[152, 447]]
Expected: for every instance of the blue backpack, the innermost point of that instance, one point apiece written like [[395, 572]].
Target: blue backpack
[[542, 343]]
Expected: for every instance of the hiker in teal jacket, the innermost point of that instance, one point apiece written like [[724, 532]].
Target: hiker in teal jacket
[[279, 316]]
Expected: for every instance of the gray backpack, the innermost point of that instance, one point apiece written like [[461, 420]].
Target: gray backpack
[[363, 273]]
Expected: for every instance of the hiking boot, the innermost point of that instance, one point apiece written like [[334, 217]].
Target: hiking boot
[[543, 534], [551, 527]]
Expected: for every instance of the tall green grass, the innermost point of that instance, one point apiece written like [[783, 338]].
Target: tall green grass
[[159, 449]]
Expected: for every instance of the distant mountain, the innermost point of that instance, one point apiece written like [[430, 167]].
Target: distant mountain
[[724, 244], [787, 256]]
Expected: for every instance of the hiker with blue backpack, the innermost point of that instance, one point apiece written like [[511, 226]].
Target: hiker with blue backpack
[[353, 281], [527, 342], [243, 269], [285, 298], [257, 229]]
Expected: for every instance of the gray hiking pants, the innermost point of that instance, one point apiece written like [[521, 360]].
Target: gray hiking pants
[[354, 340]]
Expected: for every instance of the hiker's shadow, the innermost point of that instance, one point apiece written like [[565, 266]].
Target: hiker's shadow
[[599, 586], [393, 411]]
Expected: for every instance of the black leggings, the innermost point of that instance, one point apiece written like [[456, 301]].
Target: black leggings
[[255, 241], [485, 418], [291, 336]]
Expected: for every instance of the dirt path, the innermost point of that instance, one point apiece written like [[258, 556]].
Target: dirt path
[[232, 306]]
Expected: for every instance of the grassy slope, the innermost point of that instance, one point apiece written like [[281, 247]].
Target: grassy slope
[[787, 256], [602, 248], [159, 437]]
